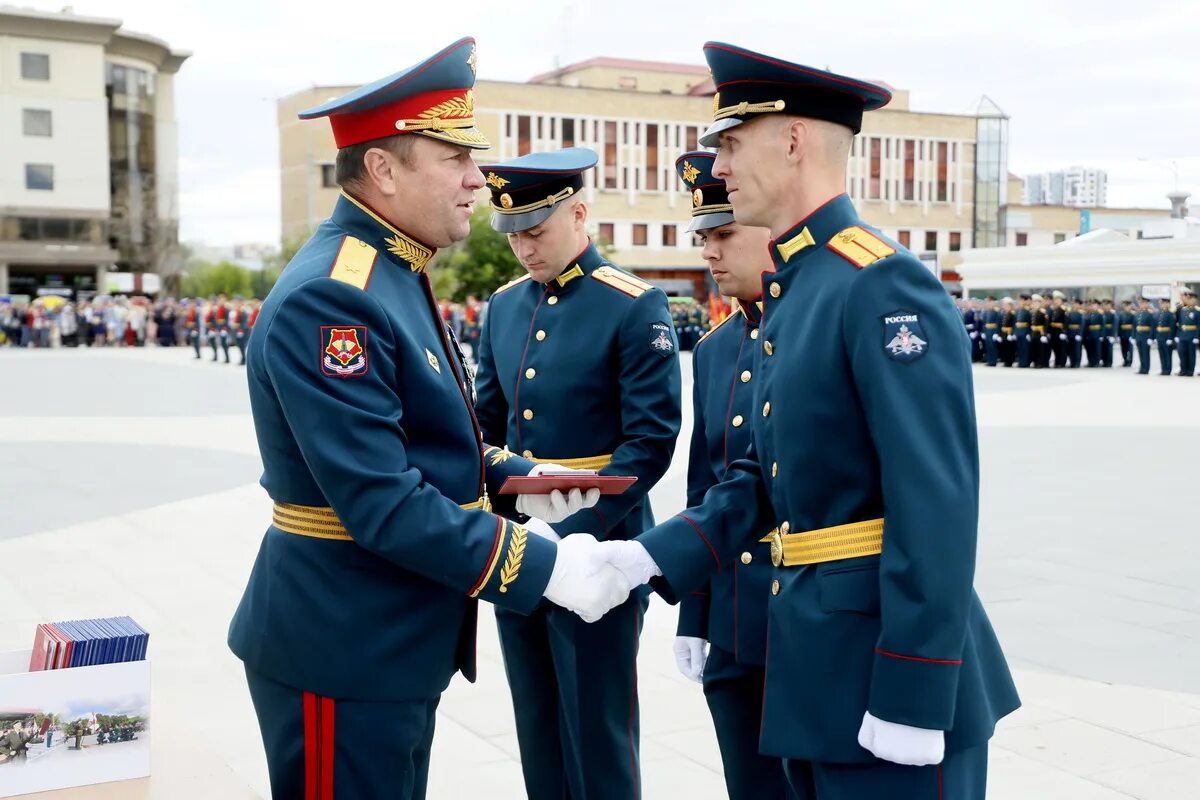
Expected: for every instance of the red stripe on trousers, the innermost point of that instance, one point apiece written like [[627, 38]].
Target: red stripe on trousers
[[325, 791]]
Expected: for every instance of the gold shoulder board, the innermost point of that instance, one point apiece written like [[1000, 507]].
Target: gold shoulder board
[[354, 262], [860, 247], [510, 284], [621, 281]]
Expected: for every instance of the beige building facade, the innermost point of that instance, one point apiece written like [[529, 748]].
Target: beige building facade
[[89, 168], [913, 174]]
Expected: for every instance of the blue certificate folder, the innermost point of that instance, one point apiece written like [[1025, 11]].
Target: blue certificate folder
[[88, 643]]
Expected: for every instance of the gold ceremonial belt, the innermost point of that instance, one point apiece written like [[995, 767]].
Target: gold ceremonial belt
[[320, 522], [587, 462], [827, 544], [1188, 327], [1165, 329], [1143, 327], [1022, 324]]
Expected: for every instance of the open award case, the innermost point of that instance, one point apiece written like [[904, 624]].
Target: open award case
[[75, 727]]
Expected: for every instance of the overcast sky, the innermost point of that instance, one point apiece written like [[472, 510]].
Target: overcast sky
[[1091, 82]]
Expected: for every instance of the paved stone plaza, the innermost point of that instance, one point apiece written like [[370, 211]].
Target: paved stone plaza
[[128, 481]]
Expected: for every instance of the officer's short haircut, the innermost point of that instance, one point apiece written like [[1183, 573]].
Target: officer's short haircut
[[350, 171]]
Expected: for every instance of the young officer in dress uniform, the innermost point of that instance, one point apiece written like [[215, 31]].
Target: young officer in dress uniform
[[1023, 333], [1008, 336], [884, 678], [1125, 323], [729, 616], [991, 332], [1058, 329], [1039, 327], [1076, 322], [362, 603], [1108, 338], [1143, 333], [579, 365], [1189, 324], [1166, 329]]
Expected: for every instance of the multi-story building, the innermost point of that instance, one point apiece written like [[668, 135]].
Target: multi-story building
[[936, 182], [89, 167], [1080, 187]]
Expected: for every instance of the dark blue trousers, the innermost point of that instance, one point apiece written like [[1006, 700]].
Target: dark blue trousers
[[991, 349], [1092, 346], [1187, 354], [1165, 347], [319, 748], [735, 695], [961, 776], [1023, 351], [1143, 349], [1106, 352], [574, 691]]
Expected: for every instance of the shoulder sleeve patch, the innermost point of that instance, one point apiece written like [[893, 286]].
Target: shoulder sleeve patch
[[511, 284], [716, 328], [860, 247], [354, 262], [621, 281]]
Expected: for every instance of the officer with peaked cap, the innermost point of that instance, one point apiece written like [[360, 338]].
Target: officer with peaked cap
[[362, 602], [884, 678], [1125, 325], [1058, 329], [1188, 317], [578, 365], [729, 615], [1144, 323]]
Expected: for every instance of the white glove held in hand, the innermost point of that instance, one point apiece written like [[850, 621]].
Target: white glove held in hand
[[541, 528], [555, 506], [690, 657], [583, 580], [902, 744]]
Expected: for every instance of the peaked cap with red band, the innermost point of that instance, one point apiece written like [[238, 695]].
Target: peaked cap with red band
[[433, 98], [749, 84]]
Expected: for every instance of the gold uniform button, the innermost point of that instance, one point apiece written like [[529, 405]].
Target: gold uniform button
[[769, 348], [737, 421], [767, 409], [528, 413], [747, 558], [552, 301], [541, 335], [774, 587], [527, 454], [774, 469], [785, 528], [776, 290], [754, 333], [530, 373], [746, 376]]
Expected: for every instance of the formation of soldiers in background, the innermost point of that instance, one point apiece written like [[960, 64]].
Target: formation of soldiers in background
[[1039, 333], [693, 319]]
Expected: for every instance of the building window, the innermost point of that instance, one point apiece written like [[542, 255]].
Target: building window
[[668, 238], [955, 241], [610, 155], [876, 161], [328, 176], [36, 122], [39, 176], [910, 158], [606, 232], [639, 235], [931, 241], [524, 146], [905, 239], [942, 170], [652, 157], [1022, 239], [35, 66], [693, 138], [568, 133], [1059, 238]]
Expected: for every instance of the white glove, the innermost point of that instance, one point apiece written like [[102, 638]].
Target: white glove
[[690, 656], [583, 580], [1112, 340], [1062, 336], [555, 506], [1079, 338], [1045, 340], [1012, 338], [974, 334], [901, 744], [541, 528], [631, 558], [996, 337]]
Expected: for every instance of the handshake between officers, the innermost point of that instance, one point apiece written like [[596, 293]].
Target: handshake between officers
[[857, 475]]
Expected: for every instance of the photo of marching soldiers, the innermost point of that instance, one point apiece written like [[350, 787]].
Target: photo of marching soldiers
[[1157, 330]]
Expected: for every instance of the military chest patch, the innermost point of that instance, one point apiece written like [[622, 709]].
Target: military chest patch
[[344, 353], [903, 338], [660, 338]]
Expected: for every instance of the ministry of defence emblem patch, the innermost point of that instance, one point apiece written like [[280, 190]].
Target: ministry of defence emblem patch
[[903, 338], [660, 339], [345, 353]]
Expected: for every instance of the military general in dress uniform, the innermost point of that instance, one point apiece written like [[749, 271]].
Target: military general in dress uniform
[[884, 678], [362, 602], [578, 365], [729, 615]]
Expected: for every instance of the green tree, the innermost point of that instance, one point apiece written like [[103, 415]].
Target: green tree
[[204, 279], [482, 262]]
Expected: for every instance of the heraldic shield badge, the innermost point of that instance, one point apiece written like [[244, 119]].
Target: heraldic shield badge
[[345, 351], [903, 338]]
